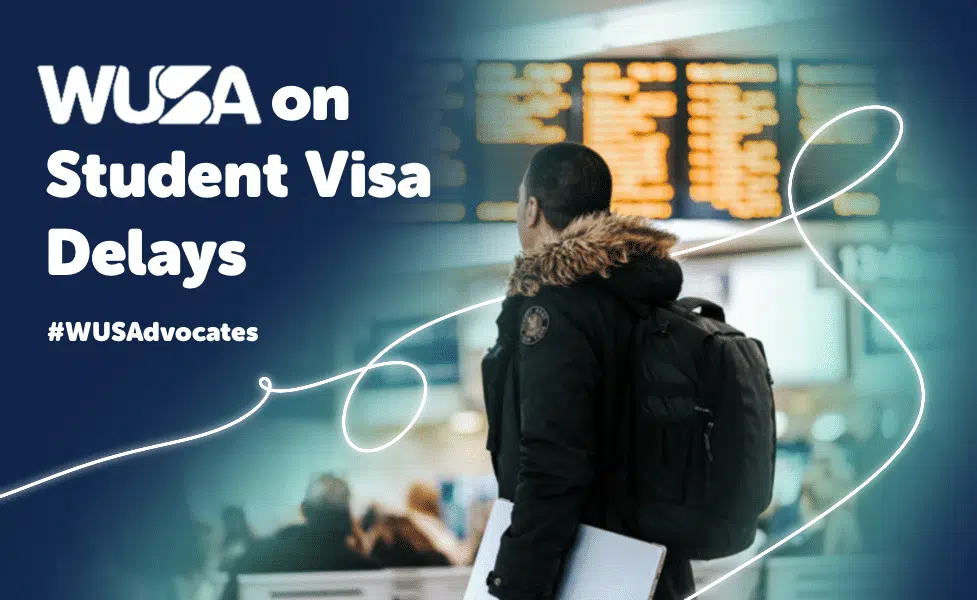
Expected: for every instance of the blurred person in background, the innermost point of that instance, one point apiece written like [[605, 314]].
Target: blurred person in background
[[324, 542], [238, 536], [361, 541], [871, 449], [829, 476], [198, 583], [424, 511], [395, 542]]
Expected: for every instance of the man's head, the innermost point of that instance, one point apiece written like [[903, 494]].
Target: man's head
[[562, 182], [327, 503]]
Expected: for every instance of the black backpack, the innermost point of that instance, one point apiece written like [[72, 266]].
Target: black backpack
[[702, 434]]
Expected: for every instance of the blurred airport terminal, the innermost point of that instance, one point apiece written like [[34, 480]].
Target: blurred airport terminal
[[700, 119]]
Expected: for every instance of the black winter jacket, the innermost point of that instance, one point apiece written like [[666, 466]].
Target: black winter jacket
[[556, 385]]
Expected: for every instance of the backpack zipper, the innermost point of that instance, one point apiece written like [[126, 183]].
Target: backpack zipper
[[707, 434], [708, 441]]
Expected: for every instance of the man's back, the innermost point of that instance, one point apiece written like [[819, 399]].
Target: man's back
[[557, 390]]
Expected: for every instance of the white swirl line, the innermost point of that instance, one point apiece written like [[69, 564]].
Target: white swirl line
[[266, 384]]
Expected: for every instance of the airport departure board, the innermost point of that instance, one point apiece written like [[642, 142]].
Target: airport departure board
[[519, 108], [733, 157], [707, 138], [821, 92], [629, 114]]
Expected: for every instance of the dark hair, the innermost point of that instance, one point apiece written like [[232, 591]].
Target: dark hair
[[568, 180]]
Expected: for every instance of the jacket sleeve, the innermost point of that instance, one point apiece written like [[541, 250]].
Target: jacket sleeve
[[558, 383]]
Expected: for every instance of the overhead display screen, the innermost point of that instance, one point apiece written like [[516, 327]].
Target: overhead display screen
[[439, 89], [692, 139], [629, 114], [846, 150], [519, 108], [733, 159]]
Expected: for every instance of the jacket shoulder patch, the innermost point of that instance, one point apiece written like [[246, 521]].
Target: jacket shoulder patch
[[535, 324]]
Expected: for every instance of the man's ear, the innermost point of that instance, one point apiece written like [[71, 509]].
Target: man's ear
[[534, 213], [302, 509]]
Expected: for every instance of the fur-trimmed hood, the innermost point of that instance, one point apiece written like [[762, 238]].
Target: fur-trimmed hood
[[626, 251]]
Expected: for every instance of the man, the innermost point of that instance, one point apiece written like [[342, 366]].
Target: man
[[323, 543], [556, 383]]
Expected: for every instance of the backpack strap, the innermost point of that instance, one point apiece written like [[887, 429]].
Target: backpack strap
[[710, 310]]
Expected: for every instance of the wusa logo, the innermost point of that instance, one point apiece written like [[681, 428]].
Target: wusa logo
[[166, 84]]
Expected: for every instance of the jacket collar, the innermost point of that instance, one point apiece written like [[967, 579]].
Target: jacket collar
[[590, 245]]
